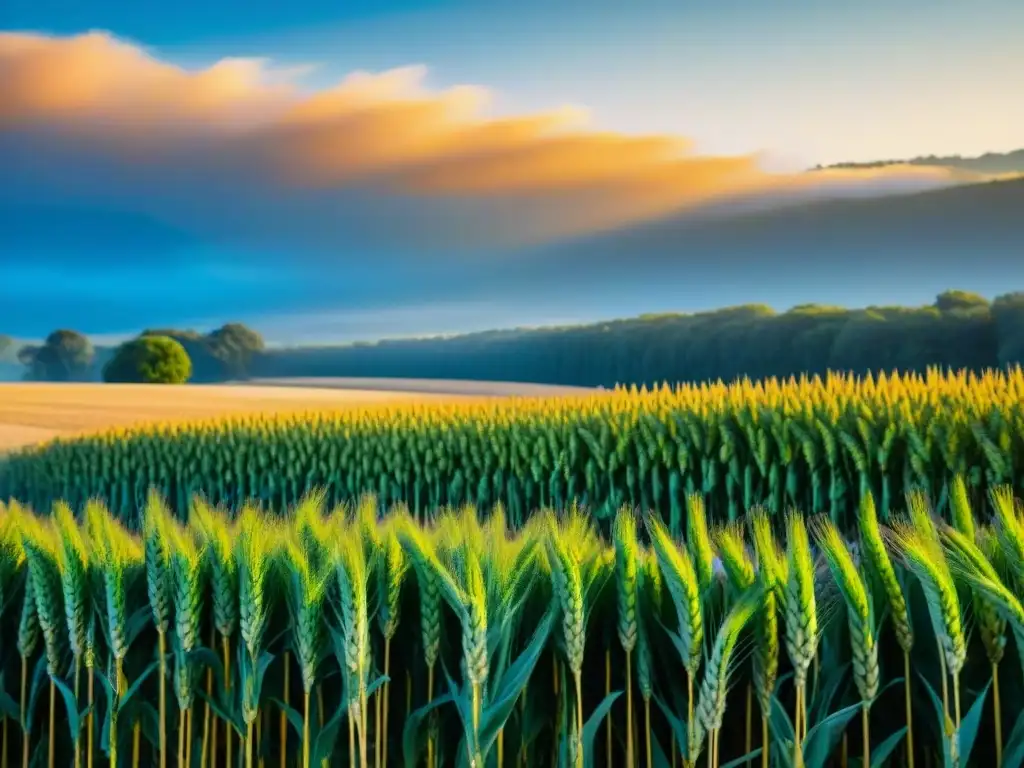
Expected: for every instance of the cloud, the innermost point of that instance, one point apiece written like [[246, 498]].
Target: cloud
[[240, 152], [237, 192]]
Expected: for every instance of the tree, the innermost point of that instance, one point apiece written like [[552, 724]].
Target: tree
[[206, 366], [65, 356], [949, 301], [225, 353], [149, 360], [235, 345], [28, 353], [6, 345], [1009, 316]]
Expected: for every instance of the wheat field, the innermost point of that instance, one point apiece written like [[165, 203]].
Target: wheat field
[[695, 575], [35, 412]]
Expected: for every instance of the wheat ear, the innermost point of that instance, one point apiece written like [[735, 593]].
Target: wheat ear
[[626, 554]]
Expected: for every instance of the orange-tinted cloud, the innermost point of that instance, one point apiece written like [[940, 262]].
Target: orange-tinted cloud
[[456, 176]]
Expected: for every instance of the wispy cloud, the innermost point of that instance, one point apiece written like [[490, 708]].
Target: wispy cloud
[[376, 193]]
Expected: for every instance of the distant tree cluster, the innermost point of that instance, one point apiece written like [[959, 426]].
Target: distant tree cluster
[[8, 350], [9, 367], [149, 360], [65, 356], [959, 330], [223, 354]]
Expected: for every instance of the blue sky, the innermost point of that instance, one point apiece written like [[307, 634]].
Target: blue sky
[[110, 241]]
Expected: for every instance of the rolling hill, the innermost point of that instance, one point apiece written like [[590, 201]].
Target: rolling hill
[[990, 162], [969, 236]]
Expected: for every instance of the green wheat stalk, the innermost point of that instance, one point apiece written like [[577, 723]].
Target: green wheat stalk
[[918, 543], [681, 581], [801, 619], [352, 574], [428, 584], [766, 647], [715, 685], [28, 642], [187, 569], [878, 562], [698, 540], [253, 557], [218, 536], [119, 558], [307, 591], [626, 557], [860, 618], [391, 578], [741, 575], [159, 587], [41, 548], [73, 564], [991, 624]]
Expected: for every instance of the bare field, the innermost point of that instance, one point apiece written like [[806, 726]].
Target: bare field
[[431, 386], [32, 413]]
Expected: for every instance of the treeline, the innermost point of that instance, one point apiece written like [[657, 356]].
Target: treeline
[[959, 330], [990, 162], [66, 355]]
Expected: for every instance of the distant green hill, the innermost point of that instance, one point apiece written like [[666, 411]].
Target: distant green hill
[[990, 162]]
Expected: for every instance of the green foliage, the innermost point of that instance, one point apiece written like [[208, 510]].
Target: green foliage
[[523, 682], [1008, 313], [859, 611], [878, 562], [235, 345], [65, 356], [800, 605], [950, 301], [149, 360], [228, 352], [959, 330], [225, 353]]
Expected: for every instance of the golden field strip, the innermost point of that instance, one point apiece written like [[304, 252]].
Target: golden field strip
[[35, 412]]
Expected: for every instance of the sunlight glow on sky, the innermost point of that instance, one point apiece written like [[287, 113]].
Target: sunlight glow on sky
[[804, 80], [492, 164]]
